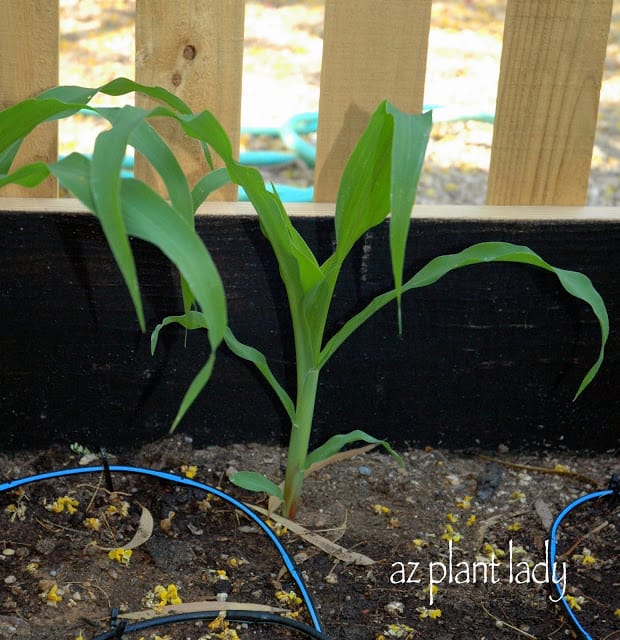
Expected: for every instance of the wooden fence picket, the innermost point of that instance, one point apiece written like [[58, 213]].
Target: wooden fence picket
[[28, 65], [194, 49], [370, 54], [550, 79], [545, 119]]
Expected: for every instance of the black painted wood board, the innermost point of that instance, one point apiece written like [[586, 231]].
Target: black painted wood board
[[490, 355]]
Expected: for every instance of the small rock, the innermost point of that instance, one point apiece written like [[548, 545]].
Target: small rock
[[45, 546], [395, 608], [365, 471], [489, 480], [10, 580], [14, 627], [169, 554]]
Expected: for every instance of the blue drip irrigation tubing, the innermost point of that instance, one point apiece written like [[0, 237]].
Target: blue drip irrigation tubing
[[291, 134], [170, 477], [552, 554]]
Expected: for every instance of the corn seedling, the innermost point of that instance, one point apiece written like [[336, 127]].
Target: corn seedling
[[380, 180]]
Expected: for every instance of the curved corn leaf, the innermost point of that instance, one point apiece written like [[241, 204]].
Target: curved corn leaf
[[363, 199], [29, 175], [73, 173], [337, 442], [254, 481], [260, 362], [197, 385], [146, 141], [190, 320], [105, 182], [411, 133], [208, 184], [197, 320], [575, 283], [116, 87], [149, 217]]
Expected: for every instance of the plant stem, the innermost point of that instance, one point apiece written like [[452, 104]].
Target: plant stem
[[299, 440]]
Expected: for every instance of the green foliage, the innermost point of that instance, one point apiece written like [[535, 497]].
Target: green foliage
[[379, 180]]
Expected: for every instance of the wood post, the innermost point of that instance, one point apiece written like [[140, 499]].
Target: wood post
[[194, 49], [28, 66], [372, 51], [550, 81]]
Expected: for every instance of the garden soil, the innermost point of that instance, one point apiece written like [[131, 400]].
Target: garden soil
[[475, 526]]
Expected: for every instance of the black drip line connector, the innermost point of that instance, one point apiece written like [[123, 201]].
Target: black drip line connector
[[117, 626]]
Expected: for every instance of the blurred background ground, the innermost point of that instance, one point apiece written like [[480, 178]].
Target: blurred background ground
[[282, 63]]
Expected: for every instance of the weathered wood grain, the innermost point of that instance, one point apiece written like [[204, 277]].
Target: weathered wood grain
[[550, 81], [28, 66], [370, 53], [194, 49]]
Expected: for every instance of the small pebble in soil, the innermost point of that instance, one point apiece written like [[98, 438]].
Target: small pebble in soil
[[365, 471], [395, 608], [489, 480]]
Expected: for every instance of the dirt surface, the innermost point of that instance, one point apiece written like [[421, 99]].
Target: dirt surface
[[58, 580]]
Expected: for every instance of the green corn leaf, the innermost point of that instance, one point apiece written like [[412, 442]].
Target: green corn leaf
[[575, 283], [297, 262], [59, 102], [208, 184], [197, 320], [149, 217], [151, 145], [7, 155], [260, 362], [411, 133], [122, 86], [363, 199], [338, 442], [116, 87], [69, 94], [254, 481], [190, 320], [29, 175], [197, 385], [105, 180], [73, 173], [19, 120]]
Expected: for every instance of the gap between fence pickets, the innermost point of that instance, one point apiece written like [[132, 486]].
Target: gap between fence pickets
[[322, 209]]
